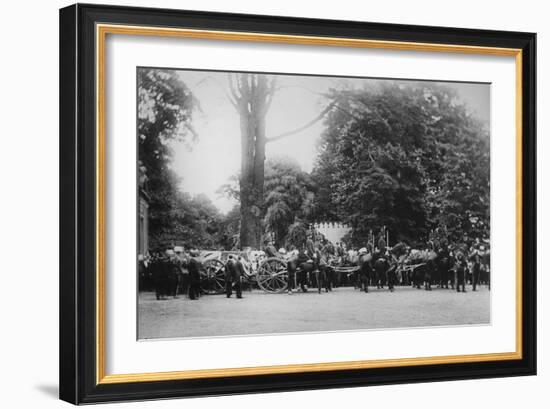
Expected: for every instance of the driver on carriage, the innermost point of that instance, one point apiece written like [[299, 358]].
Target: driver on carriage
[[270, 249]]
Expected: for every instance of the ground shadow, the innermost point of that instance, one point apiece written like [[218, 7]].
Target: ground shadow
[[50, 390]]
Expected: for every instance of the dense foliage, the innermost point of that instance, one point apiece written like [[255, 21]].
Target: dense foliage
[[165, 108], [288, 196], [407, 157]]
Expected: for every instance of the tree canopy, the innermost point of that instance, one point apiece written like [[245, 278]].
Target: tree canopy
[[405, 156], [165, 108], [288, 196]]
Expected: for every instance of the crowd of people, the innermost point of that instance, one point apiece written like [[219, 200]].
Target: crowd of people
[[319, 263], [170, 273], [322, 263]]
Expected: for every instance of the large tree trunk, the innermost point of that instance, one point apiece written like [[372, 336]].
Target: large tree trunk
[[251, 183], [251, 95], [252, 107]]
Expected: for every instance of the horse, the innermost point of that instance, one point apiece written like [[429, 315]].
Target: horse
[[298, 267], [364, 275], [385, 272]]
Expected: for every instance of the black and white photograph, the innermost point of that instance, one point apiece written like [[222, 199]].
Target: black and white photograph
[[278, 203]]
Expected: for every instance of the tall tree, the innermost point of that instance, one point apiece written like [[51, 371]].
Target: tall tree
[[288, 195], [251, 95], [165, 108], [406, 156]]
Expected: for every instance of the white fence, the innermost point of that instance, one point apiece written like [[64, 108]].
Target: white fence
[[332, 231]]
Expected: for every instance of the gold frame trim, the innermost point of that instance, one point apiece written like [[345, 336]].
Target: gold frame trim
[[102, 30]]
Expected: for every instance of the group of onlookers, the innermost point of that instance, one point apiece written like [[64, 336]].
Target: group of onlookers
[[169, 274]]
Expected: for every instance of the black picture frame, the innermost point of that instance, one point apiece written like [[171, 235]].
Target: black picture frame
[[78, 236]]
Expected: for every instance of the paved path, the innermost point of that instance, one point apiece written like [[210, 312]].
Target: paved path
[[342, 309]]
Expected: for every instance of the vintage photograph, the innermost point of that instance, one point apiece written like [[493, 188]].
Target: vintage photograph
[[272, 203]]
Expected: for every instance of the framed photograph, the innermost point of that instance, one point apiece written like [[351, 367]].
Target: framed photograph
[[257, 203]]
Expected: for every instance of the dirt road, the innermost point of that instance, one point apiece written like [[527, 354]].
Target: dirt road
[[342, 309]]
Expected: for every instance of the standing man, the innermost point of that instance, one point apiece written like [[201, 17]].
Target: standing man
[[443, 264], [195, 266], [486, 270], [233, 277], [322, 267], [460, 271], [382, 243], [305, 266], [238, 277], [310, 246], [475, 258], [312, 255], [291, 266]]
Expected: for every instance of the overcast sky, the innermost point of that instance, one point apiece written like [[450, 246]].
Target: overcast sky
[[216, 155]]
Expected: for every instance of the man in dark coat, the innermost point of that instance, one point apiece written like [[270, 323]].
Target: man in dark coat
[[173, 276], [194, 267], [382, 245], [157, 273], [460, 271], [270, 250], [475, 258], [310, 247], [322, 268], [144, 273], [311, 252], [443, 264], [233, 274]]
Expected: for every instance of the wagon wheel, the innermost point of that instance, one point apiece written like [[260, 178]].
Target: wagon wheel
[[213, 277], [272, 276]]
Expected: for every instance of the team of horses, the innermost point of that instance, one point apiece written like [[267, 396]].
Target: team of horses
[[362, 271], [376, 269]]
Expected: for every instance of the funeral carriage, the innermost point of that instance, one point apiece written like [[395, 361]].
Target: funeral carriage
[[268, 273]]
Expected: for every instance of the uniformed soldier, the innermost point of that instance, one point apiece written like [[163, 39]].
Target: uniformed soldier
[[305, 266], [382, 245], [486, 269], [312, 257], [443, 264], [430, 267], [310, 246], [291, 265], [329, 252], [460, 271], [475, 258], [340, 251], [322, 267]]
